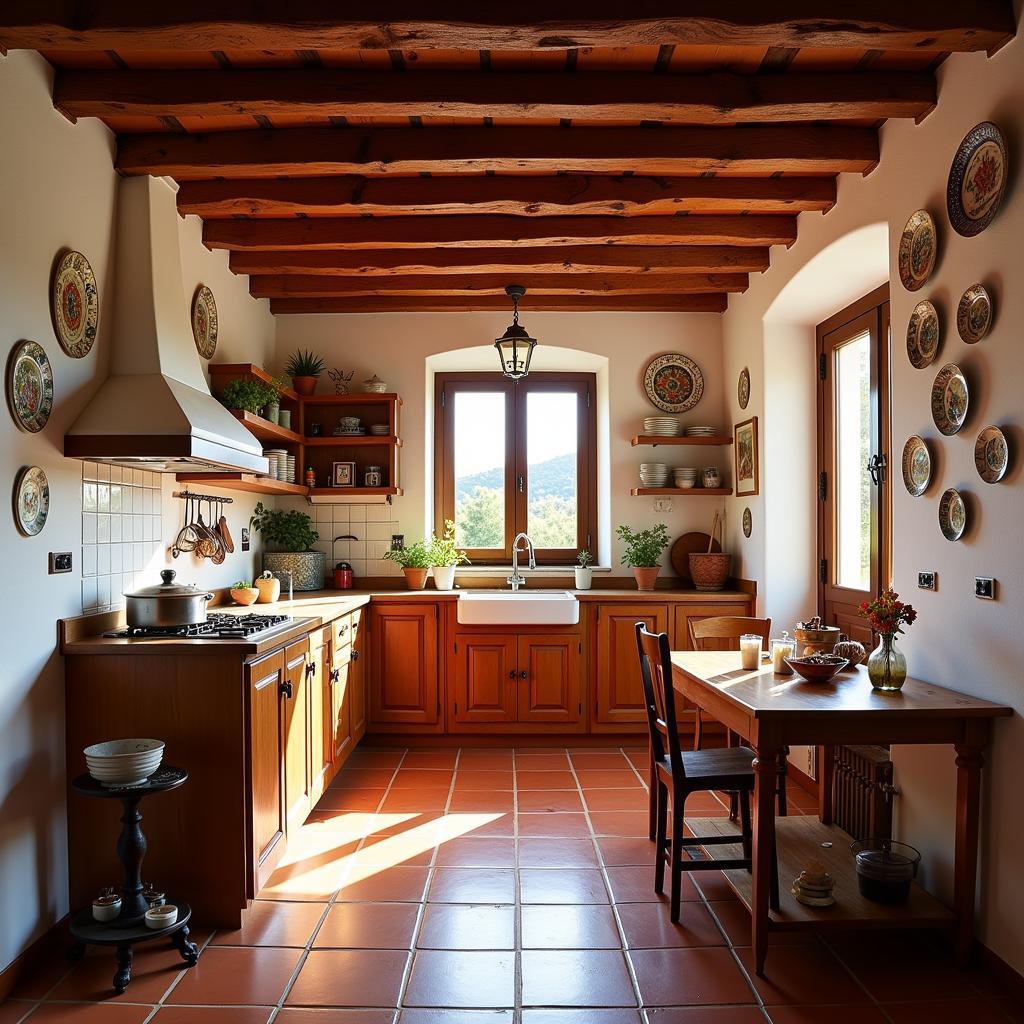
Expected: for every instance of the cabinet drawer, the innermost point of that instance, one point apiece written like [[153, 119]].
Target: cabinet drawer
[[341, 632]]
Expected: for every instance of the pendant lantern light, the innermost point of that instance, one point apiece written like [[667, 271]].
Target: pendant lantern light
[[515, 346]]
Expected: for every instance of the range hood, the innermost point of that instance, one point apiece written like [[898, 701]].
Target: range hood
[[155, 409]]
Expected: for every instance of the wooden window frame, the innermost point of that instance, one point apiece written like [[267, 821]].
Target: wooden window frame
[[515, 397]]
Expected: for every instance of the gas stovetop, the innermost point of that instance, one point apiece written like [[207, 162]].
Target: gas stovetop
[[216, 627]]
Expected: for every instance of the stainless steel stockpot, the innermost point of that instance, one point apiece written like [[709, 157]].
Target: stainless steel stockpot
[[166, 605]]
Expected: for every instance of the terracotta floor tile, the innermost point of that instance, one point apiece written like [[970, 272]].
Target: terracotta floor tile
[[362, 778], [955, 1011], [689, 977], [569, 927], [442, 757], [273, 923], [12, 1011], [555, 825], [422, 778], [735, 919], [634, 884], [254, 976], [431, 1016], [473, 885], [475, 760], [711, 1015], [296, 1015], [556, 761], [414, 800], [562, 885], [450, 979], [399, 884], [471, 852], [487, 781], [405, 823], [413, 847], [213, 1015], [862, 1013], [589, 761], [800, 975], [623, 824], [40, 978], [597, 779], [615, 799], [621, 852], [713, 885], [576, 978], [368, 926], [349, 977], [90, 1013], [374, 757], [557, 853], [351, 799], [458, 926], [496, 801], [615, 1016], [545, 780], [483, 825], [648, 926], [549, 800]]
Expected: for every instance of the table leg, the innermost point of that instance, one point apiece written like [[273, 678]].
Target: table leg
[[188, 950], [123, 974], [765, 784], [969, 762], [131, 849], [826, 774]]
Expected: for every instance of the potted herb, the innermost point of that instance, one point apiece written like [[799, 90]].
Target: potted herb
[[887, 615], [243, 592], [414, 561], [584, 574], [247, 394], [304, 368], [445, 557], [291, 536], [642, 551]]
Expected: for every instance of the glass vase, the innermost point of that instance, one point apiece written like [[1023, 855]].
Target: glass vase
[[887, 667]]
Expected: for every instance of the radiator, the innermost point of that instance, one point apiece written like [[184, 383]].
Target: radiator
[[863, 791]]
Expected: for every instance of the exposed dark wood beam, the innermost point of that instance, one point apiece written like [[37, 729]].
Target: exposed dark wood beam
[[288, 286], [592, 96], [501, 232], [530, 24], [301, 152], [586, 259], [537, 197], [715, 303]]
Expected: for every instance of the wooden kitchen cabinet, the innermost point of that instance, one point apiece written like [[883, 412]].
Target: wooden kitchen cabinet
[[683, 614], [619, 698], [403, 664], [485, 679], [550, 679], [341, 705], [357, 676], [298, 778], [319, 701]]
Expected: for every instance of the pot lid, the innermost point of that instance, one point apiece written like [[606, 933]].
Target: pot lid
[[888, 864], [169, 588]]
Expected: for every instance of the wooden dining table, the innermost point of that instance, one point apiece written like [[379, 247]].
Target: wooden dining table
[[771, 712]]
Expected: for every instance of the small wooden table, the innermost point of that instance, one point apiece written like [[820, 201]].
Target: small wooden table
[[771, 712]]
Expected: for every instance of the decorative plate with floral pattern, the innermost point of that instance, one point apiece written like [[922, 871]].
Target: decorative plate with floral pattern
[[952, 514], [923, 335], [75, 304], [31, 500], [974, 314], [674, 383], [917, 250], [977, 179], [950, 396], [204, 321], [917, 466], [743, 388], [991, 456], [30, 386]]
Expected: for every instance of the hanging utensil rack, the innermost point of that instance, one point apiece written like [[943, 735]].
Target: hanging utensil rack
[[194, 495]]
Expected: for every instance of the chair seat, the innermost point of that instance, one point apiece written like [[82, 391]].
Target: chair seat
[[715, 767]]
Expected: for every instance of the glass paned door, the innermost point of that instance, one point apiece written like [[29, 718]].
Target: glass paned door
[[551, 480]]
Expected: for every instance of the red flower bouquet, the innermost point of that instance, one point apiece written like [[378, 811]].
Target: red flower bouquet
[[887, 614]]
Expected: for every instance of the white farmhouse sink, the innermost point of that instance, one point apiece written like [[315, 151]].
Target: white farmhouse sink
[[525, 608]]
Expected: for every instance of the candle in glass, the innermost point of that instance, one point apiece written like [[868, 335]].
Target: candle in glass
[[750, 650], [782, 649]]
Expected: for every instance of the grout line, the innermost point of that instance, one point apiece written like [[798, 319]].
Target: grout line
[[517, 909]]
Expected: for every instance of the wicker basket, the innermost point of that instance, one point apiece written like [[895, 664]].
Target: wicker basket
[[710, 571]]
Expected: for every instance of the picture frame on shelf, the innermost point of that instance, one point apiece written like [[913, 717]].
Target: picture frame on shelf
[[343, 474], [746, 456]]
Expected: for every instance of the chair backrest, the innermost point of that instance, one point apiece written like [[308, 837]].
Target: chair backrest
[[659, 697], [727, 627]]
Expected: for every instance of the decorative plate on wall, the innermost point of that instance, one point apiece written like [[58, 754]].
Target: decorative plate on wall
[[917, 466], [674, 383], [31, 500], [918, 247], [952, 514], [991, 455], [977, 179], [743, 388], [75, 304], [950, 396], [29, 386], [923, 335], [748, 522], [974, 314], [204, 321]]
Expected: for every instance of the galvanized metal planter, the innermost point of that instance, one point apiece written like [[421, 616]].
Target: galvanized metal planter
[[307, 568]]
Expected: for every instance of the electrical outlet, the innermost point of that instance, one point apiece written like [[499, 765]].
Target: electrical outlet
[[985, 588], [60, 561], [663, 505], [245, 538], [398, 542], [927, 581]]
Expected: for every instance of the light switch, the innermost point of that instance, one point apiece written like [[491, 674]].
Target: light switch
[[663, 505], [927, 581], [985, 588], [60, 561]]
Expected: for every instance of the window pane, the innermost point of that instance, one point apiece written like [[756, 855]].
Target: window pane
[[551, 468], [479, 456], [853, 449]]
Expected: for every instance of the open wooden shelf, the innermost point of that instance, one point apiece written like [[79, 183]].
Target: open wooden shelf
[[250, 370], [360, 398], [350, 492], [336, 441], [697, 492], [263, 429], [654, 440], [243, 482]]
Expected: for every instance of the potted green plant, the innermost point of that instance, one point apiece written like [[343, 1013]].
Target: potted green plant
[[584, 574], [642, 550], [291, 536], [243, 592], [414, 561], [304, 368], [445, 557], [248, 394]]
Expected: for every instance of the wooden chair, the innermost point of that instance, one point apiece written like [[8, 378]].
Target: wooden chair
[[677, 773]]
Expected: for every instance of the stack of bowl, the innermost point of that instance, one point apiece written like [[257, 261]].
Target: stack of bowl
[[700, 431], [661, 426], [653, 474], [124, 762], [685, 477]]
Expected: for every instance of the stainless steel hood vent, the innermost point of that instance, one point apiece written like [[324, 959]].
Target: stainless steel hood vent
[[155, 409]]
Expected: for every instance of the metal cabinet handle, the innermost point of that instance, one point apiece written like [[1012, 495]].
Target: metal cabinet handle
[[355, 655], [343, 628], [335, 675], [512, 673], [523, 674], [310, 668], [286, 689]]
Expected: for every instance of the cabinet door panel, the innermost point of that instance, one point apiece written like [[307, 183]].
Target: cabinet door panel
[[619, 689], [551, 689], [297, 778], [485, 679], [319, 700], [357, 676], [687, 613], [403, 649], [266, 760], [341, 704]]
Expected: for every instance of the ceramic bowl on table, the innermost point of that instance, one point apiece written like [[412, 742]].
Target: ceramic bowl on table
[[124, 762], [817, 668]]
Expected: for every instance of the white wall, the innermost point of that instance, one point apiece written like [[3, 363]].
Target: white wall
[[958, 641], [57, 190]]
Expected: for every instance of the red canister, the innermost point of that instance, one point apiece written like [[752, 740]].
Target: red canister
[[343, 576]]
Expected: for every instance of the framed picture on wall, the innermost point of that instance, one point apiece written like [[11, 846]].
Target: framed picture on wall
[[744, 437], [343, 474]]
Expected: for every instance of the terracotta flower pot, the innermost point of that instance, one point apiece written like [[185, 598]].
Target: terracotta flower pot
[[646, 576], [416, 579], [304, 385]]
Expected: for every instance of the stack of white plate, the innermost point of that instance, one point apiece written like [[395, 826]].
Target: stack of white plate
[[290, 461], [661, 426], [379, 429], [278, 459], [700, 432], [268, 454], [124, 762], [653, 474], [685, 477]]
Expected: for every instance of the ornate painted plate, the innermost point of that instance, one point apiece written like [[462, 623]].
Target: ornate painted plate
[[991, 455], [952, 514], [748, 522], [674, 383], [75, 304], [923, 335], [204, 321], [950, 396], [31, 500], [743, 388], [917, 466], [977, 179], [30, 386], [974, 314], [918, 248]]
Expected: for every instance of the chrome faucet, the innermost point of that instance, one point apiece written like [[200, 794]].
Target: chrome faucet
[[516, 580]]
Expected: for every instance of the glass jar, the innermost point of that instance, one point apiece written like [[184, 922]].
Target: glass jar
[[750, 651], [887, 667], [782, 648]]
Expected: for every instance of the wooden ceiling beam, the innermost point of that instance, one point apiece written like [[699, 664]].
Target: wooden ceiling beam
[[586, 259], [593, 96], [932, 25], [500, 232], [289, 286], [304, 152], [537, 197], [713, 303]]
